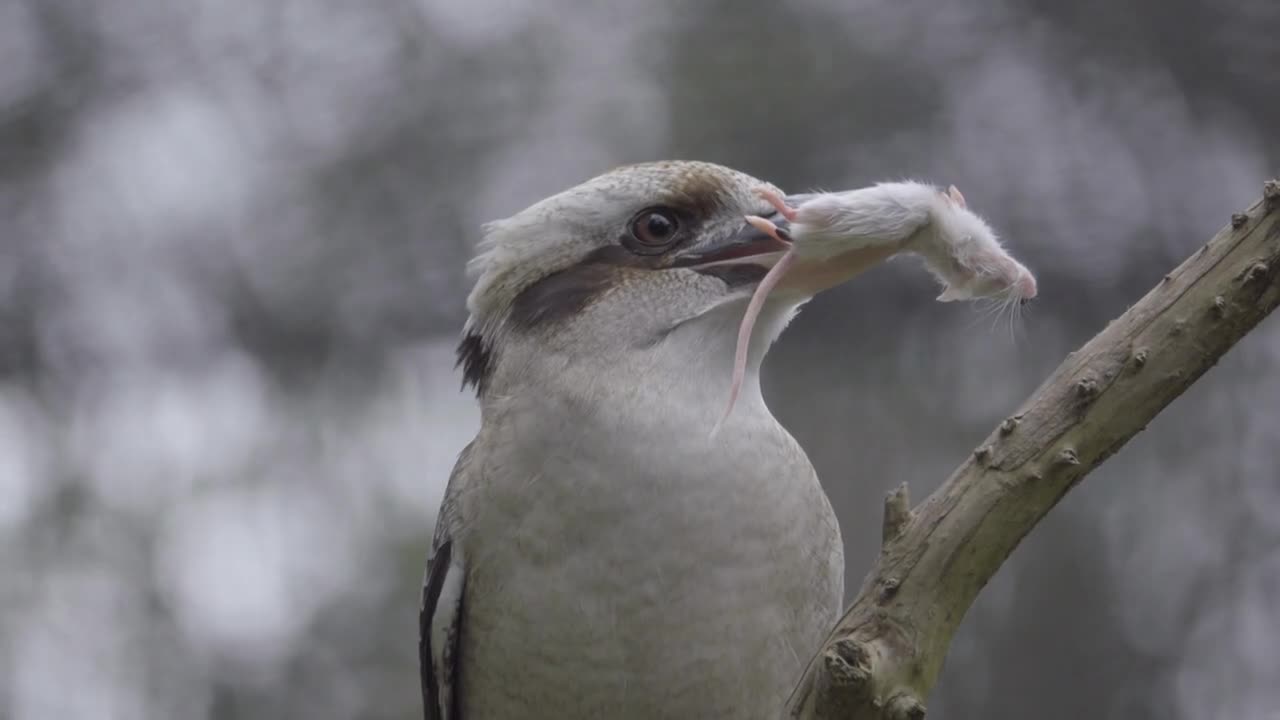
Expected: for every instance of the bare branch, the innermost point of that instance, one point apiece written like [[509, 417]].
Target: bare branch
[[884, 655]]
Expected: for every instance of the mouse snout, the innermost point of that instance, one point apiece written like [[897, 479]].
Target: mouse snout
[[1026, 285]]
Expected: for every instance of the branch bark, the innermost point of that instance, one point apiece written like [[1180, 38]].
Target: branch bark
[[885, 654]]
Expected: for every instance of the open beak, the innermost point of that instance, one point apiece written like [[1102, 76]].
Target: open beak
[[748, 254], [749, 246], [808, 274]]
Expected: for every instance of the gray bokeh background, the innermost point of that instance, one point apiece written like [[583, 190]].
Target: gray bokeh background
[[232, 238]]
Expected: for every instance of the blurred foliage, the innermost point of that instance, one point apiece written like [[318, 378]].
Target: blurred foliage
[[232, 270]]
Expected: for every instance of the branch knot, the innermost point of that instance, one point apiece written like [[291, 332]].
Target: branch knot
[[848, 665], [897, 513], [906, 707], [1271, 192]]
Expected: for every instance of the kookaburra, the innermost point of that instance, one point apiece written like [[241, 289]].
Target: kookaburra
[[599, 552]]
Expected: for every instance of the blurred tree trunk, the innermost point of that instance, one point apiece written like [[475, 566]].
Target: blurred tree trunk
[[885, 654]]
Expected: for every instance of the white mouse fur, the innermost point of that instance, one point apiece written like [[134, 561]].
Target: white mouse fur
[[958, 247]]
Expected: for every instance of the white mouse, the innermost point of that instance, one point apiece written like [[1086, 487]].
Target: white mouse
[[957, 246]]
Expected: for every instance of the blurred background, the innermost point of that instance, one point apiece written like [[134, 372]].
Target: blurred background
[[232, 238]]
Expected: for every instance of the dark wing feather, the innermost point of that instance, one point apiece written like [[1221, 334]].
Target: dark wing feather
[[432, 697], [440, 615]]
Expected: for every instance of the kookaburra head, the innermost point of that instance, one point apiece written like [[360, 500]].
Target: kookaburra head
[[637, 275]]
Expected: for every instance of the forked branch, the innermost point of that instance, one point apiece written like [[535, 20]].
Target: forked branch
[[885, 654]]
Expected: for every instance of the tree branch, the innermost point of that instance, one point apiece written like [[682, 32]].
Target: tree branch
[[884, 655]]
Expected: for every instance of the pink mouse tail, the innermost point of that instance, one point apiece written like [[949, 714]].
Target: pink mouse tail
[[754, 307]]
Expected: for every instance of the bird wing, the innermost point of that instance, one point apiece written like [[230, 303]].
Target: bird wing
[[440, 615]]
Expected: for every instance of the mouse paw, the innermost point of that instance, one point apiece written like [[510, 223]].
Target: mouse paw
[[767, 227], [778, 203], [953, 193]]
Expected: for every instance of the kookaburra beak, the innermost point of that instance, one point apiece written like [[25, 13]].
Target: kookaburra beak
[[751, 245], [755, 246]]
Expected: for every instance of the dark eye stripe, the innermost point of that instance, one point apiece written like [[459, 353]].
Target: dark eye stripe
[[562, 294]]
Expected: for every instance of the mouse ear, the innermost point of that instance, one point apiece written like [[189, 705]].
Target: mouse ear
[[954, 193]]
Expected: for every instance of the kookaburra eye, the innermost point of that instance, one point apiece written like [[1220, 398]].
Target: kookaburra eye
[[654, 228]]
